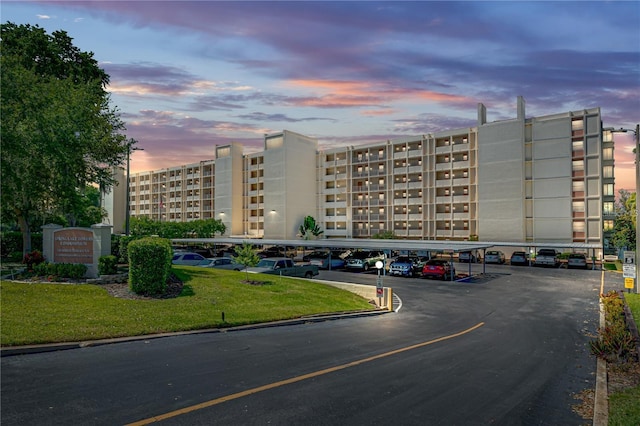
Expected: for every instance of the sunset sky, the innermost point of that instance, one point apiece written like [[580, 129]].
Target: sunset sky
[[187, 76]]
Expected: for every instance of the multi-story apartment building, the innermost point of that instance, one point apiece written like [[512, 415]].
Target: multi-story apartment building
[[539, 179]]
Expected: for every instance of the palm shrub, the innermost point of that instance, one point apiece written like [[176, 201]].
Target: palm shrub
[[149, 265]]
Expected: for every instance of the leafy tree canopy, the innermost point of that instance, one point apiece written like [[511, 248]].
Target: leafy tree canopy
[[58, 132], [246, 255], [203, 228], [624, 230]]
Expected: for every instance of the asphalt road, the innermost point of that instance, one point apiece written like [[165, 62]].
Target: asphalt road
[[509, 349]]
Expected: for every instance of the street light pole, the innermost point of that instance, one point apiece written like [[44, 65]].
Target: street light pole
[[130, 148], [636, 140]]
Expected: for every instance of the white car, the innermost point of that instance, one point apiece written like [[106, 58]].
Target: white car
[[187, 258], [494, 256], [221, 263]]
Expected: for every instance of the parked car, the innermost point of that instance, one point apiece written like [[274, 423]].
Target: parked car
[[547, 257], [363, 260], [187, 258], [519, 258], [406, 266], [467, 256], [439, 268], [316, 254], [324, 261], [577, 260], [494, 256], [283, 266], [278, 251], [221, 263]]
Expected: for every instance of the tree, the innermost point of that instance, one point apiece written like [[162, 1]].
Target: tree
[[247, 256], [624, 228], [203, 228], [309, 228], [385, 235], [58, 132]]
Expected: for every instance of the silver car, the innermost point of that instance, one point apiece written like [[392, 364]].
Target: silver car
[[222, 263], [494, 256], [577, 260], [187, 258]]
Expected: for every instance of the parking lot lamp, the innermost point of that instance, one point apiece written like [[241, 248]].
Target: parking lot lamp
[[130, 148], [636, 139]]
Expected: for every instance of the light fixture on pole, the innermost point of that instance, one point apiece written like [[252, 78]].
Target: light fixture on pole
[[130, 148], [636, 139]]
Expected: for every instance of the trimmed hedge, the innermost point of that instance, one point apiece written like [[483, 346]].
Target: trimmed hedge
[[74, 271], [107, 265], [149, 265]]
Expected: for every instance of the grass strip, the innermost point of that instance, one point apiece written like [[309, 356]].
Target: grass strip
[[624, 406], [32, 313]]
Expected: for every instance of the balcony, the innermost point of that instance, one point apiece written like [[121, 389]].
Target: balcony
[[460, 198], [461, 164], [460, 147], [463, 181]]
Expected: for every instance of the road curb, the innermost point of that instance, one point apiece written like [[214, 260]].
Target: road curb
[[601, 397], [53, 347]]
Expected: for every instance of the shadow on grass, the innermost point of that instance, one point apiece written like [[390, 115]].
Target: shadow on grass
[[187, 290]]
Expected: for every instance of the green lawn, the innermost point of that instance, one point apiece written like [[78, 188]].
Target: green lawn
[[624, 407], [45, 313]]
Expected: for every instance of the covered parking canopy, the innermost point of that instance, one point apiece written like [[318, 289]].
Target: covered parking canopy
[[435, 246], [352, 243], [431, 246]]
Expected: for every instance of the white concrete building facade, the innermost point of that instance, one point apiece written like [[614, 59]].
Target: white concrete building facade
[[538, 179]]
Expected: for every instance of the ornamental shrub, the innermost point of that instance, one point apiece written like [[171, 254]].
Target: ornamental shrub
[[32, 259], [107, 265], [615, 342], [149, 265], [54, 271]]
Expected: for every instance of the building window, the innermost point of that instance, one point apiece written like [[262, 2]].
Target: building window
[[608, 189], [607, 154], [578, 226], [608, 207], [578, 206], [607, 172], [577, 165], [608, 225], [577, 125]]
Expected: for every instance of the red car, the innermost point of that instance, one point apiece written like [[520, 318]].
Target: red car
[[438, 268]]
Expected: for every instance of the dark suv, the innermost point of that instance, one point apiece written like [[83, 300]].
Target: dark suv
[[406, 266], [363, 260]]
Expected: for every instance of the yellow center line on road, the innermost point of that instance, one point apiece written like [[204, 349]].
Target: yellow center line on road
[[295, 379]]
